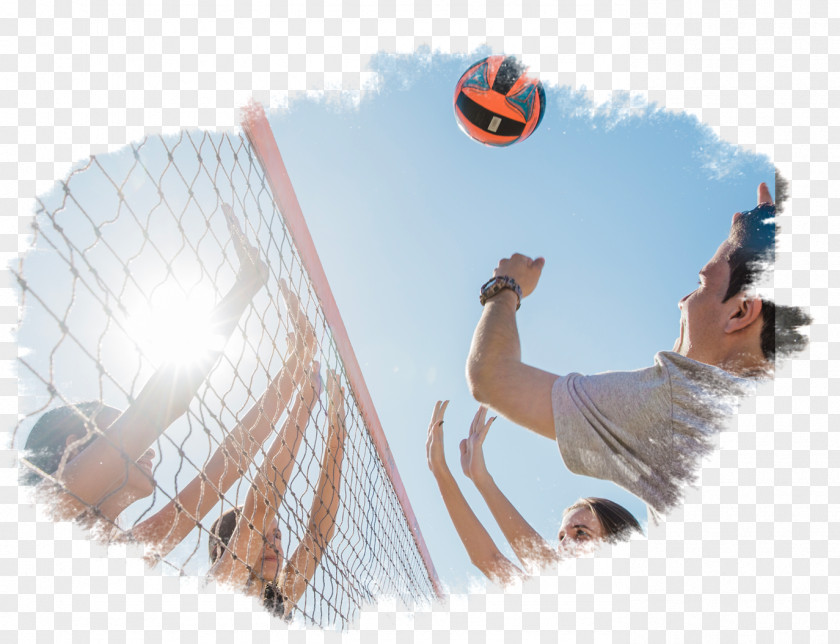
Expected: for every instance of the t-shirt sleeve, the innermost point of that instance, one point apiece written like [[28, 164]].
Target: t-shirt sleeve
[[645, 430]]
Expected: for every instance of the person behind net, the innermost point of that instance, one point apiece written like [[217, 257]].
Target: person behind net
[[586, 522], [245, 542], [93, 461], [644, 430]]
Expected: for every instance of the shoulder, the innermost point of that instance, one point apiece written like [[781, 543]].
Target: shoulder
[[699, 378]]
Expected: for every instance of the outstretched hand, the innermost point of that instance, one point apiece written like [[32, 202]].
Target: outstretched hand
[[252, 270], [335, 399], [472, 452], [302, 341], [435, 456], [524, 270]]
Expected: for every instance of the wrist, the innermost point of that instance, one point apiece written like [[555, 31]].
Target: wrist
[[482, 479], [504, 299], [440, 470], [498, 286]]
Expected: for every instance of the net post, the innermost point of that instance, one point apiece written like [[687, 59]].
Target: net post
[[258, 131]]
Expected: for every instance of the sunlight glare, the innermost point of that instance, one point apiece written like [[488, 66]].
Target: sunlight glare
[[176, 327]]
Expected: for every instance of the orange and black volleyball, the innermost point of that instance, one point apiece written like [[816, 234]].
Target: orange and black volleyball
[[497, 103]]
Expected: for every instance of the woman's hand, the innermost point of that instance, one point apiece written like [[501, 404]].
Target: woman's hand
[[434, 443], [302, 342], [335, 398], [253, 272], [472, 452]]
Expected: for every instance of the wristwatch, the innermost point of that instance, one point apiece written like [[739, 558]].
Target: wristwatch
[[496, 285]]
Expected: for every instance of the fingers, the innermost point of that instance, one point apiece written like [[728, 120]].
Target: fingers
[[482, 434], [232, 221], [478, 420], [302, 332], [524, 270], [334, 389], [437, 414], [463, 447], [434, 440], [764, 195], [240, 241]]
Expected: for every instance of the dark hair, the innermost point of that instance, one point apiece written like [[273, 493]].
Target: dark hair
[[47, 441], [753, 240], [617, 521], [220, 533]]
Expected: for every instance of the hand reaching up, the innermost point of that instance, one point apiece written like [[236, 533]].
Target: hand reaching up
[[472, 452]]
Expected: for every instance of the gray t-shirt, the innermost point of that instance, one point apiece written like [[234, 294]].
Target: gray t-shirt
[[645, 430]]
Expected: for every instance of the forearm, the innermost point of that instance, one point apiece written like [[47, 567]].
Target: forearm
[[306, 558], [528, 545], [322, 514], [495, 346], [482, 551], [229, 309], [498, 378], [242, 443], [175, 520], [163, 399], [275, 471]]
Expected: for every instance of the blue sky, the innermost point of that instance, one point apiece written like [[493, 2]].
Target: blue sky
[[409, 216]]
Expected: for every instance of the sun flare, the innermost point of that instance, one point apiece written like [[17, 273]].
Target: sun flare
[[176, 327]]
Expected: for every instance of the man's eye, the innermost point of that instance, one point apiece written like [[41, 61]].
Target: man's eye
[[582, 534]]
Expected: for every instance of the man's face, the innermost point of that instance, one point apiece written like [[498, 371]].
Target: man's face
[[703, 314]]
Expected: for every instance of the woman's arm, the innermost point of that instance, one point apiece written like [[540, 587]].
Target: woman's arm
[[165, 529], [480, 547], [529, 546], [263, 499], [88, 476], [301, 566]]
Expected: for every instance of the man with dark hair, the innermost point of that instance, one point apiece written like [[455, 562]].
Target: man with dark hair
[[645, 429]]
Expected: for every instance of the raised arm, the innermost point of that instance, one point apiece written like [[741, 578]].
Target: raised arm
[[92, 473], [306, 558], [496, 374], [529, 546], [480, 547], [264, 496], [165, 529]]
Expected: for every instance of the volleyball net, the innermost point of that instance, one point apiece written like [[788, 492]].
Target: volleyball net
[[129, 255]]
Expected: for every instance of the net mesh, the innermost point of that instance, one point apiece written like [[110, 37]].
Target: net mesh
[[126, 252]]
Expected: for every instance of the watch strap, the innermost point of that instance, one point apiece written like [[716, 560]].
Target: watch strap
[[496, 285]]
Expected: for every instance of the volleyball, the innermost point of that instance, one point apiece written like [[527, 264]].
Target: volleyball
[[497, 103]]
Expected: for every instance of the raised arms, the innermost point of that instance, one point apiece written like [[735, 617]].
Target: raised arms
[[529, 546], [306, 558], [246, 546], [89, 475], [480, 547]]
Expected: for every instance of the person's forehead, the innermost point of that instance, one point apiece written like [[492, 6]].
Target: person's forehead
[[718, 265], [582, 516]]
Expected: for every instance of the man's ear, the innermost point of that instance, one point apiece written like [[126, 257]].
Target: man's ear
[[747, 311]]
